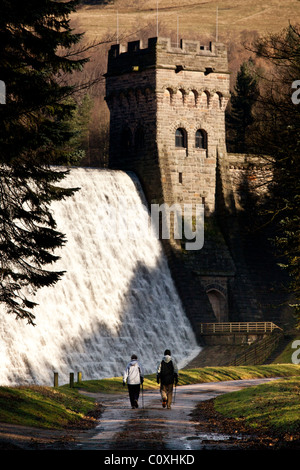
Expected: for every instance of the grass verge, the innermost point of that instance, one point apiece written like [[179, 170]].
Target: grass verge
[[285, 357], [271, 408], [45, 407], [57, 408], [193, 376]]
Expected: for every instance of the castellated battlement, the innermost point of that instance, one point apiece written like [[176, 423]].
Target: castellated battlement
[[160, 52], [186, 46], [167, 107], [167, 113]]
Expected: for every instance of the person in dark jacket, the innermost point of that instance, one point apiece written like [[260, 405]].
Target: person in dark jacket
[[167, 375], [134, 376]]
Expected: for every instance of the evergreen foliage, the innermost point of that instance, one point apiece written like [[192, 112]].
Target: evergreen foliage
[[278, 125], [243, 99], [36, 54], [80, 122]]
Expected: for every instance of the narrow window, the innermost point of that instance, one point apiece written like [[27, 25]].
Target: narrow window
[[180, 138], [201, 139], [180, 177]]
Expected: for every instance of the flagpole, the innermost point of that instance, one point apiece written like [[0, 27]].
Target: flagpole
[[117, 27], [217, 25], [157, 18]]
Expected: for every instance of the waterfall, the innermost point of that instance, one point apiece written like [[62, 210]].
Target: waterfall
[[116, 298]]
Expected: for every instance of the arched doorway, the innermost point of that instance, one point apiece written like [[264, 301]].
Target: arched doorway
[[219, 304]]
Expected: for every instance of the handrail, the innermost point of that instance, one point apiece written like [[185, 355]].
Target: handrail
[[259, 351], [237, 327]]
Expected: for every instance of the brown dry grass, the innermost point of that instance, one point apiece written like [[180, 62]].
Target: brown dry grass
[[196, 19], [240, 21]]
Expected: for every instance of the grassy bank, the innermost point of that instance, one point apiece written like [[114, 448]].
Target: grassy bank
[[201, 375], [45, 407], [56, 408], [273, 406], [285, 357]]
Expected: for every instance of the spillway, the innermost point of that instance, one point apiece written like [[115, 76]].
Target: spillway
[[116, 298]]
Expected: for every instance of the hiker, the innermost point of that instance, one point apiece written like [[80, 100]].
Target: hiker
[[167, 375], [134, 376]]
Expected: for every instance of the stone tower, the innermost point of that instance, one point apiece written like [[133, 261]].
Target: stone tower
[[167, 116], [167, 124]]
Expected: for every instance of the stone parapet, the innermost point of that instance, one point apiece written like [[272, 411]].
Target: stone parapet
[[160, 52]]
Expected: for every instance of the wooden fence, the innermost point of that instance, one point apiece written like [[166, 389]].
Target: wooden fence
[[237, 327]]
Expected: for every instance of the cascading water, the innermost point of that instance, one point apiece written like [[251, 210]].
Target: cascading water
[[116, 298]]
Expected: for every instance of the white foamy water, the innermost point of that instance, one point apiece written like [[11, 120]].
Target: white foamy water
[[116, 298]]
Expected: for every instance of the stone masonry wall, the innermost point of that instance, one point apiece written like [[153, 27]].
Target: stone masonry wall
[[132, 103], [152, 91], [191, 101]]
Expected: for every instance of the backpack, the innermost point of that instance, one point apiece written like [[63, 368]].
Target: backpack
[[167, 372]]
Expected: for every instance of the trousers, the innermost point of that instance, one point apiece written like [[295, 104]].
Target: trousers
[[167, 393], [134, 393]]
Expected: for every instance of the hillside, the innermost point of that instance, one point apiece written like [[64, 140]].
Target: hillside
[[239, 21], [194, 18]]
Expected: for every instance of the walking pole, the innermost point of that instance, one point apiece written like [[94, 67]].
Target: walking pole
[[143, 394], [174, 394]]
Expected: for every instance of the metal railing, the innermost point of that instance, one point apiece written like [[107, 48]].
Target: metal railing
[[259, 351], [237, 327]]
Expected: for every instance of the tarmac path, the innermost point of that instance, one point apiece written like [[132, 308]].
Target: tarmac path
[[151, 427]]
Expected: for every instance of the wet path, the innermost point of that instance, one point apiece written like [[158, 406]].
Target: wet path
[[155, 428]]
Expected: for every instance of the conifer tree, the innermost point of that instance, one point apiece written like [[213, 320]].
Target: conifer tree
[[80, 122], [243, 98], [36, 52], [278, 124]]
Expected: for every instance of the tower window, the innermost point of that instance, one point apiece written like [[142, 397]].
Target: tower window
[[201, 139], [181, 138]]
